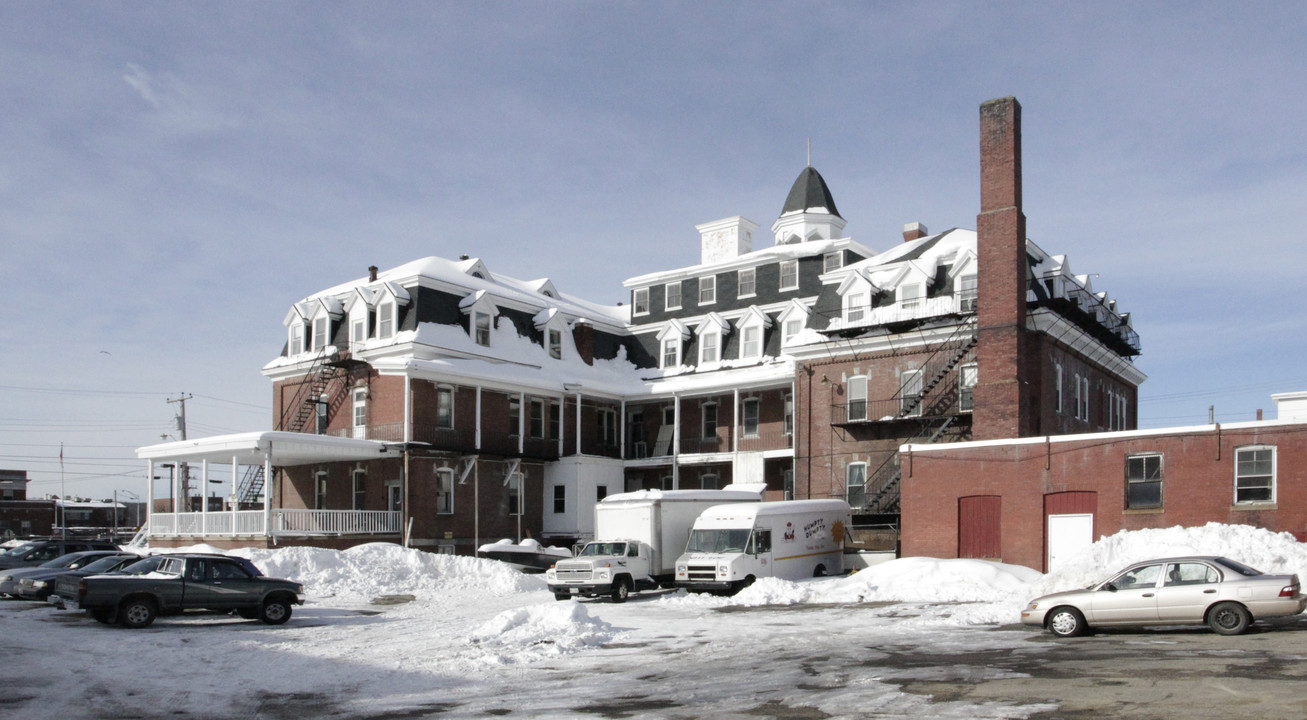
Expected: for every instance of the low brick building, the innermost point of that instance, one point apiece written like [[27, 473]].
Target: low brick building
[[1033, 501]]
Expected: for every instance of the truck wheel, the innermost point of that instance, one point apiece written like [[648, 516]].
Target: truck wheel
[[248, 613], [621, 590], [820, 571], [275, 611], [103, 615], [137, 613]]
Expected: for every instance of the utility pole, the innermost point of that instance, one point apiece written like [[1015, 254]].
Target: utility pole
[[184, 472]]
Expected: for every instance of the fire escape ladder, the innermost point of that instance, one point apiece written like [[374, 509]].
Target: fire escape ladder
[[887, 478], [251, 484], [305, 403]]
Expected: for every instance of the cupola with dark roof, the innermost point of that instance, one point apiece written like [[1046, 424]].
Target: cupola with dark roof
[[809, 212]]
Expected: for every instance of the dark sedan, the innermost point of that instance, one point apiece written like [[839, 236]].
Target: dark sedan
[[11, 577], [39, 585]]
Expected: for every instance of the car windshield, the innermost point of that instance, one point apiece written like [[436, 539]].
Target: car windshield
[[62, 561], [603, 548], [105, 564], [1238, 567], [717, 541], [17, 549]]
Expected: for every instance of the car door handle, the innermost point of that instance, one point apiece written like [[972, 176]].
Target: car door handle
[[1209, 592], [1148, 594]]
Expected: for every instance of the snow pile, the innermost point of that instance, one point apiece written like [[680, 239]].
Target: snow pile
[[1273, 553], [547, 630], [364, 572]]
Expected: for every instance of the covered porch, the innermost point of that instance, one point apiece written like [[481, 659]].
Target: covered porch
[[245, 511]]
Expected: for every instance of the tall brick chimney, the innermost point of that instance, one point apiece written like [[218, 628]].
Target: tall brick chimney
[[1006, 389]]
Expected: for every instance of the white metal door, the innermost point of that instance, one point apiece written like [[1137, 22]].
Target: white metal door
[[1067, 535]]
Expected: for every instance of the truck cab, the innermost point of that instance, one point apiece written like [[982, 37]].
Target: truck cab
[[612, 568]]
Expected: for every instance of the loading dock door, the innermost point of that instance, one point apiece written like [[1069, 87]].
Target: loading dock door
[[1067, 535]]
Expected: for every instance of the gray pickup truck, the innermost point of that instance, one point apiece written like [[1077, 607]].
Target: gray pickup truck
[[188, 582]]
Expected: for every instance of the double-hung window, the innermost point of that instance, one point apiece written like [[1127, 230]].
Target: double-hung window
[[671, 352], [673, 295], [855, 484], [708, 290], [750, 417], [747, 282], [710, 347], [855, 308], [481, 328], [640, 301], [385, 319], [1143, 481], [320, 325], [296, 339], [360, 488], [360, 413], [709, 411], [857, 389], [444, 407], [789, 275], [751, 342], [832, 261], [967, 377], [1254, 474], [555, 344], [968, 291]]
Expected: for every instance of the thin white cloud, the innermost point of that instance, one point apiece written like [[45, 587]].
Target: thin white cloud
[[142, 83]]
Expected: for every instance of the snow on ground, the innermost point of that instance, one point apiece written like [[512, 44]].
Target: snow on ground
[[399, 631]]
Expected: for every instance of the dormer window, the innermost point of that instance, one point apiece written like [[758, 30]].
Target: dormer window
[[710, 344], [555, 344], [481, 328], [320, 325], [671, 352], [296, 343], [792, 327], [673, 296], [855, 308], [386, 320], [640, 302], [968, 290], [358, 331], [747, 286], [789, 275], [708, 290], [751, 342], [911, 295]]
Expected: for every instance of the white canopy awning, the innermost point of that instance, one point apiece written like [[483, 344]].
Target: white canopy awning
[[283, 448]]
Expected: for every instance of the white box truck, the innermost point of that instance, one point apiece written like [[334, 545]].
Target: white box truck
[[638, 536], [733, 545]]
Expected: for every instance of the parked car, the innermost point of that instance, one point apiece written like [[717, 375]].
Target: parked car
[[65, 586], [1226, 595], [39, 551], [39, 583], [184, 582], [10, 579]]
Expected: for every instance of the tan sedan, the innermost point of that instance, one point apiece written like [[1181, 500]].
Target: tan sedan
[[1226, 595]]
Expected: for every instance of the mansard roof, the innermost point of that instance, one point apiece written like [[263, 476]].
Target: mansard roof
[[810, 193]]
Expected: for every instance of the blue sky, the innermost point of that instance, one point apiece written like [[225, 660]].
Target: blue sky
[[174, 175]]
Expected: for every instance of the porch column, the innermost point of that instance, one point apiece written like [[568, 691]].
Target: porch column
[[578, 422], [562, 408], [676, 442], [149, 496], [204, 496], [478, 420], [234, 500], [267, 491], [621, 441], [522, 410], [735, 422]]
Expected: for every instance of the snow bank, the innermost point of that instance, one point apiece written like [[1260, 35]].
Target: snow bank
[[548, 630], [377, 569], [1274, 553]]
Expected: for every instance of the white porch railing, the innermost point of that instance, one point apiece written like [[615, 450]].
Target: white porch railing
[[284, 522]]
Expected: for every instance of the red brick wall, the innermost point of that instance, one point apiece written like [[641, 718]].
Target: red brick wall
[[1197, 486]]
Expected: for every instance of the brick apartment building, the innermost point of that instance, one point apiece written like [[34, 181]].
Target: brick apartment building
[[446, 405]]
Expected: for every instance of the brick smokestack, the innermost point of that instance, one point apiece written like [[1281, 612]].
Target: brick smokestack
[[1006, 388]]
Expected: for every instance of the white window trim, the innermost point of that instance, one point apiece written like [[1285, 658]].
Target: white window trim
[[386, 318], [857, 306], [360, 414], [826, 261], [667, 296], [355, 491], [555, 349], [319, 337], [911, 295], [967, 299], [745, 332], [753, 282], [709, 283], [853, 382], [475, 326], [640, 297], [295, 340], [757, 421], [781, 281], [1275, 460], [663, 354], [703, 421], [716, 336], [848, 473], [443, 390], [911, 380], [963, 386]]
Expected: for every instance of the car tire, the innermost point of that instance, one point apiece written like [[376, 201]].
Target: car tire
[[1229, 618], [1066, 622], [562, 596], [137, 612], [621, 590], [103, 616], [275, 611], [248, 613]]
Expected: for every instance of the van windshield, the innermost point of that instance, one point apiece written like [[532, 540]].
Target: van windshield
[[718, 541]]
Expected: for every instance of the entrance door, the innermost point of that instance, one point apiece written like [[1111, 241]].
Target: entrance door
[[1067, 535]]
